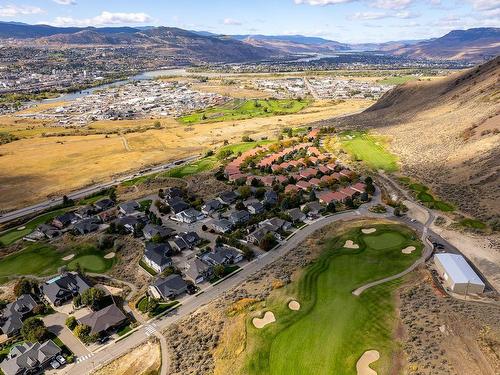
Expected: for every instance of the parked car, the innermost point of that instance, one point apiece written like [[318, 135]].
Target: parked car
[[102, 340], [54, 364], [61, 359]]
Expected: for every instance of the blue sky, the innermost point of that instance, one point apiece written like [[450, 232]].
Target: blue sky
[[342, 20]]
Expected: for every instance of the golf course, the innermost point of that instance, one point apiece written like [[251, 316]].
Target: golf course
[[333, 328], [44, 260]]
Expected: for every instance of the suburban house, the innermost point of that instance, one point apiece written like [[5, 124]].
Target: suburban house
[[189, 216], [128, 208], [270, 198], [255, 208], [257, 235], [222, 255], [103, 204], [64, 220], [156, 256], [173, 192], [308, 173], [178, 205], [64, 287], [275, 224], [11, 319], [239, 217], [304, 185], [331, 197], [29, 358], [168, 287], [228, 197], [296, 215], [151, 231], [86, 226], [104, 320], [130, 223], [49, 231], [198, 271], [85, 212], [211, 206], [221, 226], [186, 240], [312, 208], [291, 189]]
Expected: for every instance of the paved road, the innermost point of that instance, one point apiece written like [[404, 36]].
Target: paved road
[[56, 323], [82, 193]]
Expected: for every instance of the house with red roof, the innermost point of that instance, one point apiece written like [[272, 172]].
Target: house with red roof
[[308, 173], [359, 187], [304, 185], [291, 189], [315, 181]]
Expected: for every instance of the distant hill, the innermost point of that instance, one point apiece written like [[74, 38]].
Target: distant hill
[[181, 42], [471, 45], [447, 135]]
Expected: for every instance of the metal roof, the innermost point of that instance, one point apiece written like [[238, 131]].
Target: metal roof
[[458, 269]]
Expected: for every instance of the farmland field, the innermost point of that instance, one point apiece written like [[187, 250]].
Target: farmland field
[[244, 109], [335, 326], [369, 149]]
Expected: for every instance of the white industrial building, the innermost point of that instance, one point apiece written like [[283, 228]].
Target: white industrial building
[[458, 276]]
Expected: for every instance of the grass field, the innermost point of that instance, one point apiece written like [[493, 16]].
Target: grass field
[[244, 109], [15, 234], [369, 149], [333, 328], [43, 260], [396, 80], [424, 195], [473, 224]]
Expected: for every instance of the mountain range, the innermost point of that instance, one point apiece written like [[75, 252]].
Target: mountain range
[[471, 45]]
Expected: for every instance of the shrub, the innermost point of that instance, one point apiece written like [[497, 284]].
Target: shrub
[[34, 330], [71, 323]]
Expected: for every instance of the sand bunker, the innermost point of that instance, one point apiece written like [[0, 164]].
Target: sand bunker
[[408, 250], [109, 255], [363, 364], [351, 245], [368, 230], [262, 322], [21, 228], [69, 257], [294, 305]]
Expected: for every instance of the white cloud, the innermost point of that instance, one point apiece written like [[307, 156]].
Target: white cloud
[[65, 2], [17, 10], [392, 4], [230, 21], [485, 4], [380, 15], [105, 18], [321, 2]]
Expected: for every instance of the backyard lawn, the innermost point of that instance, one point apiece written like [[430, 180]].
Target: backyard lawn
[[239, 109], [43, 260], [369, 149], [333, 328]]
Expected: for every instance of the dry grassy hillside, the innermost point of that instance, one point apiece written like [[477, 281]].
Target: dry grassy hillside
[[446, 133]]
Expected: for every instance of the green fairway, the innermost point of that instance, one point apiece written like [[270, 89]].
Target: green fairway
[[43, 259], [333, 328], [15, 234], [369, 149], [239, 109]]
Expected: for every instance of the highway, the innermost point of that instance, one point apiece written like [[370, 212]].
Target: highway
[[82, 193]]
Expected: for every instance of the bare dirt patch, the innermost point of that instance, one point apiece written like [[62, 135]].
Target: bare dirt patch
[[408, 250], [268, 318], [349, 244], [294, 305], [368, 230], [363, 364], [444, 335], [145, 359]]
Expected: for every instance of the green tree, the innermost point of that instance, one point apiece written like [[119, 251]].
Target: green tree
[[71, 322], [244, 191], [219, 270], [93, 298], [82, 331], [24, 286], [34, 330], [267, 242]]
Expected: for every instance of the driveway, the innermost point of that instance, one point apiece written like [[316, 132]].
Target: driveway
[[56, 323]]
